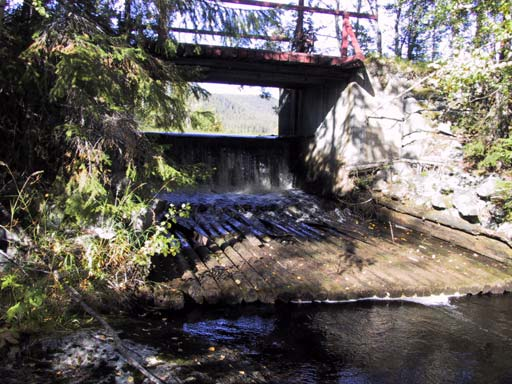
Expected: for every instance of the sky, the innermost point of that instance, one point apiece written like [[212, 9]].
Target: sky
[[326, 44]]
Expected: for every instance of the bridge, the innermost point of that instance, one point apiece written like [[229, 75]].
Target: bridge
[[291, 69], [337, 115]]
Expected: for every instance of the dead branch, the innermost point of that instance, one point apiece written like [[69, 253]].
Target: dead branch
[[118, 343]]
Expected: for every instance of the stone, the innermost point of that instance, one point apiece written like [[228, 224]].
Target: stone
[[506, 230], [4, 262], [485, 216], [103, 233], [4, 243], [438, 201], [488, 188], [146, 217], [402, 169], [466, 203], [380, 185], [411, 105], [446, 190], [382, 174], [399, 192], [445, 128]]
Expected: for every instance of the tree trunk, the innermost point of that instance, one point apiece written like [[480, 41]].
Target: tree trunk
[[357, 28], [127, 18], [162, 28], [3, 5], [433, 54], [339, 34], [26, 11], [374, 6], [397, 46], [299, 43]]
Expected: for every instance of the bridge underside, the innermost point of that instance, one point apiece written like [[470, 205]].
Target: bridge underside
[[263, 68]]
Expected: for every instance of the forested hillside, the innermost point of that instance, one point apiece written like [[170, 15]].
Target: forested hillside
[[242, 114]]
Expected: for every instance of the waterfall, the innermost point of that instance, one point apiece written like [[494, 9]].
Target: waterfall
[[238, 163]]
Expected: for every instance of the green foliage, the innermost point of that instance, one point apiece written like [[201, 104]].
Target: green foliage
[[417, 30], [475, 150], [205, 121], [26, 300], [101, 238], [237, 114], [478, 90], [78, 81], [505, 198], [499, 155]]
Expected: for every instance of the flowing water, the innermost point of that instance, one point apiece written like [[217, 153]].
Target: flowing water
[[467, 341], [464, 340], [237, 163]]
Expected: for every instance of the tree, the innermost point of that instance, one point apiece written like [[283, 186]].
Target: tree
[[53, 47], [413, 20], [374, 7], [477, 80]]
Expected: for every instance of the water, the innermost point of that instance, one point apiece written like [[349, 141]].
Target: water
[[469, 340]]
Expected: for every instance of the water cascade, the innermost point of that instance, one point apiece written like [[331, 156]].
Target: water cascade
[[239, 163]]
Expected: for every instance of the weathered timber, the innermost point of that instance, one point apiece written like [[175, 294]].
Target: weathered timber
[[245, 253], [442, 218], [230, 293], [478, 243]]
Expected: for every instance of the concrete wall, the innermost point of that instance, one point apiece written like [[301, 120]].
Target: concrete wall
[[351, 124]]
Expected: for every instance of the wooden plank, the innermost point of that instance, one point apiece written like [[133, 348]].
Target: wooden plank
[[291, 7], [230, 34]]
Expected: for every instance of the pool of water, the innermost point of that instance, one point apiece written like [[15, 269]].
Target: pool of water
[[469, 340]]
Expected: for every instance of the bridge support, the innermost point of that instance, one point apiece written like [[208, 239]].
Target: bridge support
[[348, 124]]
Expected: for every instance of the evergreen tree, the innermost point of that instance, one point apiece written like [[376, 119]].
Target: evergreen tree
[[98, 70]]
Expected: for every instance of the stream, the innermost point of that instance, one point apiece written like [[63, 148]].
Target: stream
[[460, 340]]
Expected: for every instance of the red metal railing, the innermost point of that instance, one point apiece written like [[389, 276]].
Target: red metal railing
[[348, 36]]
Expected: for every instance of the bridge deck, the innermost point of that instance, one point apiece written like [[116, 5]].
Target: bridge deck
[[276, 255], [264, 68]]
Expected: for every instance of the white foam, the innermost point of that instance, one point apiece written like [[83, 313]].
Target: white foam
[[430, 301]]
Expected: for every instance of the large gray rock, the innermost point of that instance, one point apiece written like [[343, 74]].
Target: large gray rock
[[488, 188], [485, 216], [400, 191], [382, 174], [438, 201], [466, 203], [402, 169], [146, 217], [506, 230], [445, 128], [380, 185]]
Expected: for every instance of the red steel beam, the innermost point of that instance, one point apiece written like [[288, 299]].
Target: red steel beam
[[221, 33], [327, 11]]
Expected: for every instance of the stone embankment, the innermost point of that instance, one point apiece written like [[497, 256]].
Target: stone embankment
[[430, 183]]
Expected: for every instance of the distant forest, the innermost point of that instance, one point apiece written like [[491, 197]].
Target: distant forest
[[242, 114]]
